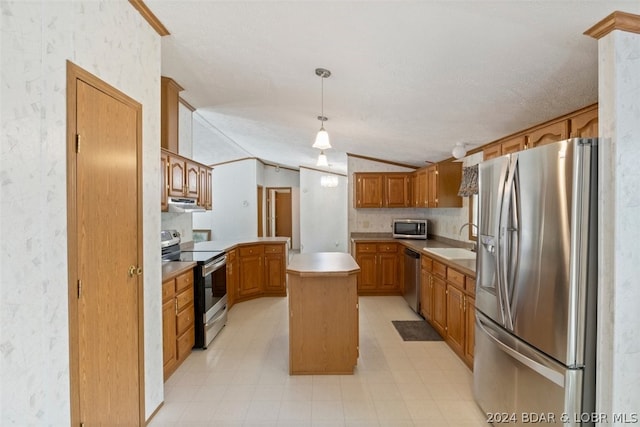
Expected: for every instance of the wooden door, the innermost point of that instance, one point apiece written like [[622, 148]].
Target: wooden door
[[283, 214], [105, 252]]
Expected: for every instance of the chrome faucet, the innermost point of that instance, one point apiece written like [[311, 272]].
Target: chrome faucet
[[473, 247]]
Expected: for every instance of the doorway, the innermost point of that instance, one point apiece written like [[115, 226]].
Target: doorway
[[279, 223], [104, 182]]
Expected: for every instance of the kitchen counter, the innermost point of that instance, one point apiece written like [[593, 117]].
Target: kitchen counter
[[227, 245], [172, 269], [466, 266], [323, 263]]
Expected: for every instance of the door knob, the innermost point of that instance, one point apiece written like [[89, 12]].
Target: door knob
[[132, 270]]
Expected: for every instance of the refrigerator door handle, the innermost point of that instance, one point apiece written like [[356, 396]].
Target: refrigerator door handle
[[497, 248], [546, 371], [504, 235]]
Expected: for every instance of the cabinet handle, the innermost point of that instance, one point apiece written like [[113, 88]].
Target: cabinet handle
[[176, 304]]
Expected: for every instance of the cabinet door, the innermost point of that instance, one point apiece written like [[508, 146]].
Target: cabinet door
[[202, 186], [514, 144], [164, 181], [368, 190], [389, 271], [432, 189], [548, 134], [367, 277], [396, 189], [455, 319], [209, 191], [169, 348], [274, 267], [176, 177], [439, 314], [426, 294], [422, 189], [470, 329], [192, 179], [251, 270], [413, 190], [492, 152], [585, 125]]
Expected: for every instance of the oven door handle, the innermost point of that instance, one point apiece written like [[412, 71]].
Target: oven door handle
[[213, 266]]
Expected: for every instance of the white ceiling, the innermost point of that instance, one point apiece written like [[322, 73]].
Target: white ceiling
[[410, 79]]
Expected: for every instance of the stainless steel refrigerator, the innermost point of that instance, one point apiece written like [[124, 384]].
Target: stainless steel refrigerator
[[536, 285]]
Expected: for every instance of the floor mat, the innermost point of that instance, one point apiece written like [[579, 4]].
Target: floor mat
[[416, 330]]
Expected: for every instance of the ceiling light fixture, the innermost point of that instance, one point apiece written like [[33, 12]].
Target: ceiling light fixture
[[459, 151], [322, 160], [322, 138]]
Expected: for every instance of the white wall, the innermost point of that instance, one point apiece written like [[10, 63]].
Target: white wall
[[323, 214], [185, 131], [235, 196], [111, 40]]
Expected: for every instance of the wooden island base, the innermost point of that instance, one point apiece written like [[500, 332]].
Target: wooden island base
[[323, 313]]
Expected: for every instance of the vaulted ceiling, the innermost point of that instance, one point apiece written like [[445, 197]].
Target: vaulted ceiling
[[410, 79]]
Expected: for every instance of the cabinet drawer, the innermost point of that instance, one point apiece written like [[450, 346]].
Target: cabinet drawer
[[184, 320], [184, 298], [168, 290], [388, 247], [183, 281], [273, 249], [251, 250], [185, 343], [366, 247], [455, 277], [426, 263], [439, 269], [470, 284]]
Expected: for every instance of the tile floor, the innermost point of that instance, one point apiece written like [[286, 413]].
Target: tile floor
[[243, 378]]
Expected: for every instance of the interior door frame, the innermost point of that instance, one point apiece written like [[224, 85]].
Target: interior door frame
[[75, 73]]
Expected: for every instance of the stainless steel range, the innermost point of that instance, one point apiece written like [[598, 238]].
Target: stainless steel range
[[209, 286]]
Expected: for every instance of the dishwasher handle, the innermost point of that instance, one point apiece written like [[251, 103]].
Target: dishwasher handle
[[412, 254]]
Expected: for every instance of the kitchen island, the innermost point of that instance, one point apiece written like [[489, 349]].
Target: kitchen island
[[323, 313]]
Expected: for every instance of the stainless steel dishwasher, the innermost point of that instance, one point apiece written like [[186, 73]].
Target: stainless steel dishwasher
[[412, 279]]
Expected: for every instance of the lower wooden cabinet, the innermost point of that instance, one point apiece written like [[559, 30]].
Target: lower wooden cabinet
[[380, 268], [256, 270], [447, 303], [178, 333]]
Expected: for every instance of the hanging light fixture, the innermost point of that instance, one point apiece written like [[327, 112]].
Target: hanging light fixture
[[459, 151], [322, 138], [322, 160]]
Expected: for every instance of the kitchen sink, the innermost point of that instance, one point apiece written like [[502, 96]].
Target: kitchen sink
[[452, 253]]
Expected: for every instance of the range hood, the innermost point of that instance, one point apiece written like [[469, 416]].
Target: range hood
[[182, 205]]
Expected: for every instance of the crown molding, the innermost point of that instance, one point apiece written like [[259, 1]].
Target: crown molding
[[616, 21], [150, 17]]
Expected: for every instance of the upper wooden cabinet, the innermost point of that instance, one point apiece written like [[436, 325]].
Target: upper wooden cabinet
[[181, 177], [580, 124], [169, 114], [396, 190], [368, 190], [547, 134], [421, 196], [382, 190], [585, 125], [443, 185]]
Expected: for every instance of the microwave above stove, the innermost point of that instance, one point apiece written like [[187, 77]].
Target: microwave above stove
[[410, 229]]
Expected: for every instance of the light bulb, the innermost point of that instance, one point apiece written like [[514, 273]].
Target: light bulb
[[322, 140], [322, 160]]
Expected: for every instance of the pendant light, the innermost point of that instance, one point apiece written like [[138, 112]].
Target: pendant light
[[322, 138], [322, 160]]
